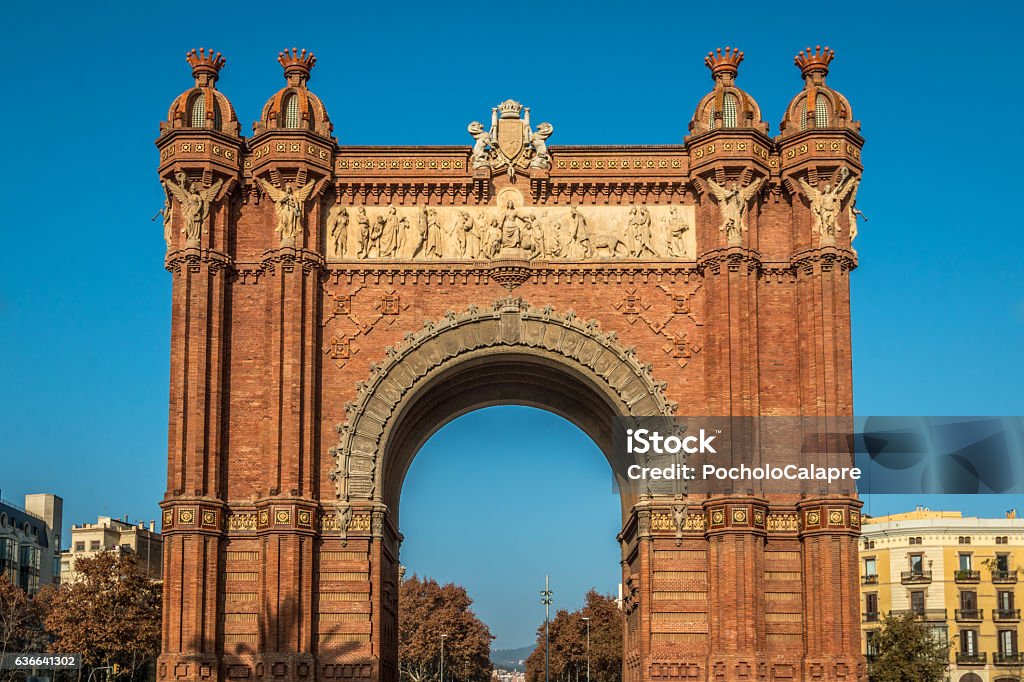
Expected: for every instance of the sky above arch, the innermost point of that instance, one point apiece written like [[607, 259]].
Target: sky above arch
[[938, 301]]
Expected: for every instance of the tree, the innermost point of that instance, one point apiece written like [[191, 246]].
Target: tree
[[110, 614], [568, 648], [906, 651], [21, 624], [427, 610]]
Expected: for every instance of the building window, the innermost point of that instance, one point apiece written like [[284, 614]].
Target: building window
[[28, 569], [915, 541], [711, 117], [9, 559], [969, 642], [872, 646], [870, 567], [1002, 562], [803, 126], [94, 545], [917, 564], [79, 546], [1008, 642], [729, 110], [291, 111], [964, 540], [917, 602], [871, 606], [1004, 603], [197, 111], [965, 562], [969, 602], [217, 120]]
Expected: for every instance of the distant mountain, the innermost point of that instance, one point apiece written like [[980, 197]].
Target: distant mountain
[[511, 659]]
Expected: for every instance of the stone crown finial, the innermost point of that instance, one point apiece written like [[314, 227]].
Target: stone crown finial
[[297, 65], [205, 65], [727, 63], [818, 60]]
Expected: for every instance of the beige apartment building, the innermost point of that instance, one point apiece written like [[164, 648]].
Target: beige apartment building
[[107, 534], [961, 576], [30, 541]]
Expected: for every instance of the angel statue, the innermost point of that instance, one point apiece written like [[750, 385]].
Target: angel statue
[[732, 206], [480, 157], [195, 205], [289, 204], [538, 140], [825, 203]]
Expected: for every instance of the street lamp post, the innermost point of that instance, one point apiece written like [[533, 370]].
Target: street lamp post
[[587, 619], [545, 599], [442, 657]]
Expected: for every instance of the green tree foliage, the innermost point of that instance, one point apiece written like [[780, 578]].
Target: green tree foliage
[[568, 633], [426, 610], [110, 614], [907, 652]]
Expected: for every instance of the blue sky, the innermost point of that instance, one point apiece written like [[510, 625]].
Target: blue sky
[[938, 301]]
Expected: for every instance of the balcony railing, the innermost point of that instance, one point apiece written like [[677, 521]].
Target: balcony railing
[[915, 577], [1008, 659], [967, 576], [969, 614], [1006, 614], [963, 658], [931, 615], [1004, 577], [869, 580], [871, 617]]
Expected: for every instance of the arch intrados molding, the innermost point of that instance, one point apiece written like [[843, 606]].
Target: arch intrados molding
[[510, 325], [531, 377]]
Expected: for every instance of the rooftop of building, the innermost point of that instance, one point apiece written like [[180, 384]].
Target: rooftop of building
[[13, 516], [922, 517], [110, 522]]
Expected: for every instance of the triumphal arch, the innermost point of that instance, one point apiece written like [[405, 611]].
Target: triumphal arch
[[334, 305]]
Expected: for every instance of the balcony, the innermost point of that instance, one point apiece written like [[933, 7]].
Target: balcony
[[969, 614], [869, 580], [1004, 577], [963, 658], [1006, 614], [930, 615], [1008, 659], [915, 577], [967, 576], [871, 617]]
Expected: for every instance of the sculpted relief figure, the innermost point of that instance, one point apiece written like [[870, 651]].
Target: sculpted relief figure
[[639, 232], [363, 233], [289, 205], [538, 140], [337, 228], [480, 157], [463, 232], [732, 206], [168, 216], [195, 205], [825, 204], [675, 226], [580, 234]]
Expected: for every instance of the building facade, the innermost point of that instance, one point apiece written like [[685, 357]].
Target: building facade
[[961, 576], [333, 305], [109, 534], [30, 541]]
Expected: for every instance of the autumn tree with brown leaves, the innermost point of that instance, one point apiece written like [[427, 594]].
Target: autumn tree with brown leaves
[[427, 610], [21, 624], [110, 614], [568, 648]]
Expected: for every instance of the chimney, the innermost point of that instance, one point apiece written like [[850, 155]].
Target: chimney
[[152, 526]]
